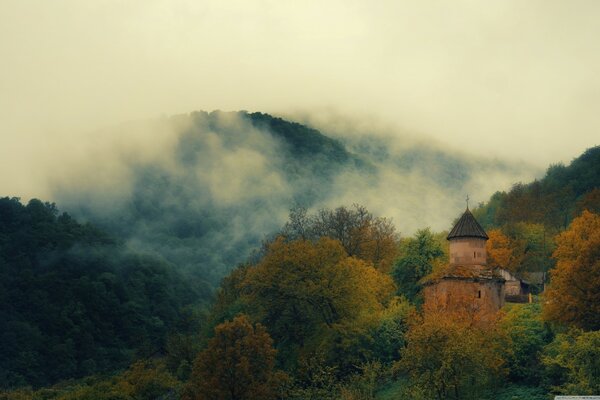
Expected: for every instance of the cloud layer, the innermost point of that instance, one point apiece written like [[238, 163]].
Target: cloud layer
[[510, 79]]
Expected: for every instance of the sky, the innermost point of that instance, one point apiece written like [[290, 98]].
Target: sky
[[511, 79]]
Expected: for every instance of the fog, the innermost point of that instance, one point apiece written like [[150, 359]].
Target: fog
[[495, 90], [514, 79], [204, 189]]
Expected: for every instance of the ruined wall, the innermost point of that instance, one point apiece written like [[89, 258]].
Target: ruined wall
[[467, 251], [483, 298]]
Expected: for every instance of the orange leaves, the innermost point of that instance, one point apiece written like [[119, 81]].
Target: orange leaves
[[573, 296], [501, 251], [238, 363]]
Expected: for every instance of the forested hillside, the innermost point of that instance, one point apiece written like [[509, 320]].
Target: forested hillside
[[228, 179], [220, 271], [562, 194], [524, 220], [321, 314], [76, 302]]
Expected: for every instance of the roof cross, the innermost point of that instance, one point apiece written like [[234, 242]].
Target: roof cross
[[467, 202]]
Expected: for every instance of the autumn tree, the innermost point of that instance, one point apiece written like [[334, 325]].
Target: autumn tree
[[238, 364], [573, 296], [307, 293], [450, 356], [361, 234], [502, 251]]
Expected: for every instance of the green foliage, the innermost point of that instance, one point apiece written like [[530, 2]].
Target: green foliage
[[572, 362], [389, 334], [418, 257], [75, 302], [314, 379], [528, 335], [302, 140], [517, 392], [552, 201], [143, 380]]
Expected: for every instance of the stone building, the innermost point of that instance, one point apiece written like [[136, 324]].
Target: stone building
[[467, 283], [514, 285]]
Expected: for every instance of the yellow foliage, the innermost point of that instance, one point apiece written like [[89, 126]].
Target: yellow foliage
[[573, 296], [501, 251], [449, 355], [313, 297], [316, 281]]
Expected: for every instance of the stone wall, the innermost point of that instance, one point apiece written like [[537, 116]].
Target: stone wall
[[483, 298], [467, 251]]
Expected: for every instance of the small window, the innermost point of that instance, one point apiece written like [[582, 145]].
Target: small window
[[479, 294], [474, 256]]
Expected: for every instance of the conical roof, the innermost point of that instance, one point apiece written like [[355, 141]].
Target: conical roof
[[467, 226]]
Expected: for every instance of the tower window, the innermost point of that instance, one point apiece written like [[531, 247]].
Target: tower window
[[479, 294], [474, 256]]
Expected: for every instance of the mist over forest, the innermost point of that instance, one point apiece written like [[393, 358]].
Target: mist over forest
[[204, 189]]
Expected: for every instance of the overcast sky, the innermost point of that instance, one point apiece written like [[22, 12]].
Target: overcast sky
[[515, 79]]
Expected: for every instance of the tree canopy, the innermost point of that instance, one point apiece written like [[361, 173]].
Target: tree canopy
[[75, 302], [237, 364], [573, 296], [419, 255]]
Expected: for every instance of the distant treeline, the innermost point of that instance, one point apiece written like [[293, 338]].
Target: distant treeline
[[553, 201]]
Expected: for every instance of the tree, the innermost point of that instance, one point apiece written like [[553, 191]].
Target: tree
[[419, 255], [238, 364], [590, 201], [529, 334], [572, 362], [501, 251], [389, 334], [310, 295], [573, 296], [75, 302], [362, 235], [450, 356]]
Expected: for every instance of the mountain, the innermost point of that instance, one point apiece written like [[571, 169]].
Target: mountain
[[224, 180]]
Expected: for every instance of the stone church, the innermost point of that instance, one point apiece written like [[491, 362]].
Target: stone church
[[467, 283]]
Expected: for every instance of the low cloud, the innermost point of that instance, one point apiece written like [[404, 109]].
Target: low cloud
[[202, 190]]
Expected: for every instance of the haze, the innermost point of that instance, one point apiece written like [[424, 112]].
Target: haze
[[510, 79]]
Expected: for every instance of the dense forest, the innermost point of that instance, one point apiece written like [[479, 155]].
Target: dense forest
[[76, 302], [328, 305], [523, 221]]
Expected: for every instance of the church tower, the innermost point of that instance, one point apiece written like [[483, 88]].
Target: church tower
[[467, 241], [467, 283]]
